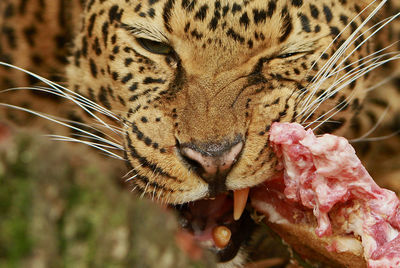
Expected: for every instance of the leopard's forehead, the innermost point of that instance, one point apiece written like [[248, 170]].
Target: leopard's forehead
[[228, 32]]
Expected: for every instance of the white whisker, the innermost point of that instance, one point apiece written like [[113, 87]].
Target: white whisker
[[77, 100], [377, 138], [314, 105], [53, 119], [326, 69], [131, 178], [145, 190], [129, 172], [381, 118], [96, 146], [381, 83], [352, 78]]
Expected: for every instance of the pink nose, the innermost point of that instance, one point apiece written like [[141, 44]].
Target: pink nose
[[213, 161]]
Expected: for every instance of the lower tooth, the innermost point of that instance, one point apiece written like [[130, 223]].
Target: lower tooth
[[222, 236]]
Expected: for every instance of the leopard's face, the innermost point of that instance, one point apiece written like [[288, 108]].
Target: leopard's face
[[198, 84]]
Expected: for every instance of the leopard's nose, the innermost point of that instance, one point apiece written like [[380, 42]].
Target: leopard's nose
[[213, 161]]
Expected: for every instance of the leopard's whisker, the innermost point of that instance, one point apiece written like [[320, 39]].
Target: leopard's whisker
[[352, 40], [130, 172], [91, 144], [154, 192], [42, 89], [333, 41], [52, 119], [335, 70], [363, 60], [334, 109], [381, 83], [53, 92], [160, 192], [350, 77], [120, 130], [95, 128], [360, 74], [318, 80], [54, 137], [120, 147], [328, 92], [375, 63], [62, 90], [377, 138], [388, 20], [329, 64], [145, 190], [134, 188], [131, 178], [319, 121], [369, 132], [58, 88]]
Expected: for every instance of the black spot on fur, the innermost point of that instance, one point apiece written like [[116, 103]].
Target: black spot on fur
[[167, 14], [103, 98], [328, 13], [236, 8], [104, 30], [151, 12], [92, 19], [10, 35], [93, 68], [244, 20], [271, 8], [151, 2], [344, 19], [297, 3], [305, 23], [127, 78], [314, 11], [9, 11], [196, 34], [334, 31], [287, 26], [114, 15], [134, 86], [188, 4], [235, 36], [201, 13], [151, 80], [259, 15], [29, 34]]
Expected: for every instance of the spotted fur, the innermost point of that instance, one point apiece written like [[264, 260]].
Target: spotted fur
[[236, 67]]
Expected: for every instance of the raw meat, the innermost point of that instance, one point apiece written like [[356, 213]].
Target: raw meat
[[324, 175]]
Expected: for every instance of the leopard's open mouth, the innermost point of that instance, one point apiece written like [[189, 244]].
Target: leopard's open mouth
[[204, 218]]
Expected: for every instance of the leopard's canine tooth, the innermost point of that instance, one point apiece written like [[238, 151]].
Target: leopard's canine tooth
[[239, 202]]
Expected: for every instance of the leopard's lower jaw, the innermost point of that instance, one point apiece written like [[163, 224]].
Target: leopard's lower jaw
[[201, 218]]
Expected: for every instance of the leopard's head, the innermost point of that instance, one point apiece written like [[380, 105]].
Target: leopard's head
[[198, 83]]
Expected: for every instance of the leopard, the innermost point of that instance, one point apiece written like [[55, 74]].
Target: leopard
[[184, 92]]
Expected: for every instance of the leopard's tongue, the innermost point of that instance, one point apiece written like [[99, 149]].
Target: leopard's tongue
[[239, 202]]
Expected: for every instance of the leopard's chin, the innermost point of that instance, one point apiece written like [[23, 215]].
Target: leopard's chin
[[202, 218]]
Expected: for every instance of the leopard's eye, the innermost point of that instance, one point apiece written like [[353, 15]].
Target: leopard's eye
[[287, 55], [155, 47]]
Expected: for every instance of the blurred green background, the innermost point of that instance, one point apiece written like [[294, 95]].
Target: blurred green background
[[59, 210]]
